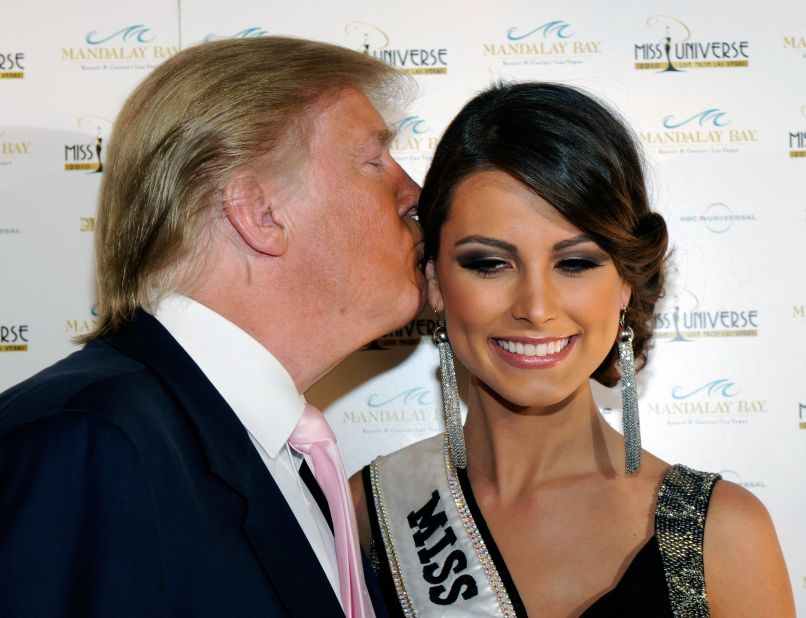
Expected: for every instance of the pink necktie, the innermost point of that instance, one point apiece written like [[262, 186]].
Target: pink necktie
[[314, 439]]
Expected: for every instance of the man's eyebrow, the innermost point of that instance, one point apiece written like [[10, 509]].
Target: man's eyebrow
[[383, 136]]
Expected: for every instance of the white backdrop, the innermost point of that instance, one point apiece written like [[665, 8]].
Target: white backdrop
[[722, 119]]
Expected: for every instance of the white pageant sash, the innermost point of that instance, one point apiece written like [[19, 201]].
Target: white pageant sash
[[439, 562]]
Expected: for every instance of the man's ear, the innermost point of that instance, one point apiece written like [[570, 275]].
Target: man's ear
[[433, 291], [249, 209]]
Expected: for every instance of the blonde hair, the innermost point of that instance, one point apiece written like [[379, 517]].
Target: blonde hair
[[197, 118]]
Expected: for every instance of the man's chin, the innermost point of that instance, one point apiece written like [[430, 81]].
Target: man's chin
[[406, 309]]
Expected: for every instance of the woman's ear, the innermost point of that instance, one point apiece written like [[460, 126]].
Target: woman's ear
[[433, 291], [626, 294], [249, 209]]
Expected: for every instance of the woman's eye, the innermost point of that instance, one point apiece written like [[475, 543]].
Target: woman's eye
[[483, 266], [577, 265]]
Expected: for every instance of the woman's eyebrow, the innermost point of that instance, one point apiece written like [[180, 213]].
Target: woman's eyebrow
[[571, 242], [486, 240]]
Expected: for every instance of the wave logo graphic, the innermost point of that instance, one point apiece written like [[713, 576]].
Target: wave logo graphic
[[556, 28], [716, 388], [138, 33], [246, 33], [713, 116], [418, 396], [412, 124]]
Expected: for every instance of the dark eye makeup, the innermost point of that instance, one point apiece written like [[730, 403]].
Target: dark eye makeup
[[481, 264], [485, 264], [578, 264]]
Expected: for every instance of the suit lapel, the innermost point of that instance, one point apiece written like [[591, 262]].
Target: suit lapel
[[269, 523]]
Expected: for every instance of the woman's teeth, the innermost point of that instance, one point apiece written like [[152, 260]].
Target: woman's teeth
[[529, 349]]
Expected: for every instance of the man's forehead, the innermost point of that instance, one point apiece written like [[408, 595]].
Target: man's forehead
[[352, 122]]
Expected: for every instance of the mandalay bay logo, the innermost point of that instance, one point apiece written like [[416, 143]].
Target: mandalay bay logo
[[130, 47], [81, 326], [796, 44], [670, 48], [716, 402], [87, 154], [414, 139], [552, 42], [416, 405], [797, 139], [12, 149], [371, 40], [247, 33], [707, 131], [682, 319]]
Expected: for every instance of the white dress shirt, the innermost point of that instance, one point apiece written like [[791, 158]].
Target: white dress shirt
[[265, 399]]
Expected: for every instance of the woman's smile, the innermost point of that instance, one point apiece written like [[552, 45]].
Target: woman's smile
[[531, 353]]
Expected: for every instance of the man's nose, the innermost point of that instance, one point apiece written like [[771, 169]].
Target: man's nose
[[408, 194]]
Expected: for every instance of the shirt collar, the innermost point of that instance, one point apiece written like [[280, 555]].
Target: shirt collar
[[249, 378]]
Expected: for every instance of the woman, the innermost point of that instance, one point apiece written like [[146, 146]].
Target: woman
[[545, 261]]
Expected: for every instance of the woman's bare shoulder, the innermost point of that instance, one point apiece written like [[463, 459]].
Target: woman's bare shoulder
[[745, 572]]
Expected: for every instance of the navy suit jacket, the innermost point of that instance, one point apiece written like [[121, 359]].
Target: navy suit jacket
[[128, 487]]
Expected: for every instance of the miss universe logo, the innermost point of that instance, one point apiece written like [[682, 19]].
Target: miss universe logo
[[797, 139], [371, 40], [12, 65], [670, 48], [681, 319]]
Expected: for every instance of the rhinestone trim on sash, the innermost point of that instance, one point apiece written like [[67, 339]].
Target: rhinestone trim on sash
[[497, 585], [679, 526], [388, 544]]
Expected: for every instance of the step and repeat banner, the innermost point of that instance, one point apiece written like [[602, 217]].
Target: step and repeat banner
[[715, 92]]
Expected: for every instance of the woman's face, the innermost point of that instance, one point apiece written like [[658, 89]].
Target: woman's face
[[531, 304]]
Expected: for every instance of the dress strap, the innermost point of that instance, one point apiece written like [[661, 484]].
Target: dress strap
[[679, 525]]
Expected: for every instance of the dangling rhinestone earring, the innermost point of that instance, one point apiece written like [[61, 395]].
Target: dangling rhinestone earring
[[629, 399], [450, 397]]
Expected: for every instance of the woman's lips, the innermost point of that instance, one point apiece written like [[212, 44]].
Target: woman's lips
[[534, 354]]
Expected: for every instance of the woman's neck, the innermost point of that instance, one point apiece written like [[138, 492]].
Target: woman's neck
[[514, 450]]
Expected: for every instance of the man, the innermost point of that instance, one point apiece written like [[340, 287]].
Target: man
[[253, 231]]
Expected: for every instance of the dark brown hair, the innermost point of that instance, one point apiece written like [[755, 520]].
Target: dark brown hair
[[579, 156]]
